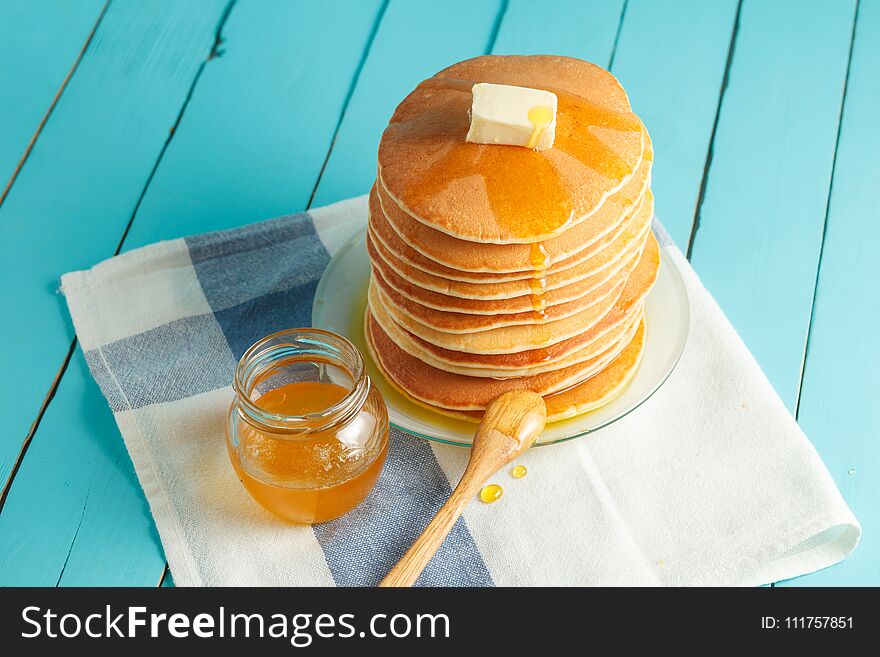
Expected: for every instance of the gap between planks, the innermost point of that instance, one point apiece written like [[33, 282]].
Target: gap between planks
[[357, 74], [53, 388], [213, 53], [710, 152], [806, 354], [496, 27], [623, 8], [48, 113]]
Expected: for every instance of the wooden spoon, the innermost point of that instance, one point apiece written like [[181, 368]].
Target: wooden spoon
[[509, 427]]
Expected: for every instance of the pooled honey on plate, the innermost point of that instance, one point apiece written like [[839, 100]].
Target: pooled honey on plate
[[309, 449]]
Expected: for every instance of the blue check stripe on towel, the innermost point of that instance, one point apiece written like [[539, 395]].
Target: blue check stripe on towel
[[256, 280]]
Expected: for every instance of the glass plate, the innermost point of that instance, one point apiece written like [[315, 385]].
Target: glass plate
[[340, 301]]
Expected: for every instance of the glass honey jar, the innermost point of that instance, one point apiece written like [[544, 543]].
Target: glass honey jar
[[307, 432]]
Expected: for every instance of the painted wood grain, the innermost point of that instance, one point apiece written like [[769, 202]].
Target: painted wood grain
[[760, 225], [575, 28], [76, 514], [250, 145], [66, 211], [838, 404], [40, 48], [671, 58], [261, 120], [433, 36]]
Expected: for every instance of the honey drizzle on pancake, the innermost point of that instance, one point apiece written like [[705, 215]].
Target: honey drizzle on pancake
[[538, 260], [525, 191], [540, 116], [538, 284]]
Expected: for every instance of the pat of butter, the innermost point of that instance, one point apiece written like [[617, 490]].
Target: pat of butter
[[518, 116]]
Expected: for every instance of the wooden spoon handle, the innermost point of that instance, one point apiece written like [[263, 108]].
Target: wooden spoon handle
[[509, 427], [410, 566]]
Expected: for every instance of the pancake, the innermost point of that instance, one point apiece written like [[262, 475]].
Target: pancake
[[459, 322], [593, 350], [586, 292], [629, 302], [460, 255], [466, 393], [540, 289], [507, 339], [580, 398], [601, 388], [483, 193], [385, 233], [609, 260]]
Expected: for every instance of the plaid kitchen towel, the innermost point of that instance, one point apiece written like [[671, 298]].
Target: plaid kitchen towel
[[709, 482]]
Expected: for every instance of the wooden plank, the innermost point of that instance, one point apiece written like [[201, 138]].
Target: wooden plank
[[262, 121], [82, 181], [838, 405], [66, 211], [574, 28], [433, 37], [41, 44], [761, 221], [48, 532], [670, 59], [246, 126]]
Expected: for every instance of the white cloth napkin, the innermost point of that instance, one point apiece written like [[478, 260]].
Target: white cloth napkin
[[711, 482]]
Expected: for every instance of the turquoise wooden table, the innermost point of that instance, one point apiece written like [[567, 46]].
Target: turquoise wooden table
[[123, 122]]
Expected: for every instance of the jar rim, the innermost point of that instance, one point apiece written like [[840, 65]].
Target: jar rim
[[316, 346]]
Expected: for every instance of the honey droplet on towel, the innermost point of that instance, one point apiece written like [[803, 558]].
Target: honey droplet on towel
[[491, 493]]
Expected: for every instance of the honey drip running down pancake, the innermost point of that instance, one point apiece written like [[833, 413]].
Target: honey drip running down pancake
[[498, 268]]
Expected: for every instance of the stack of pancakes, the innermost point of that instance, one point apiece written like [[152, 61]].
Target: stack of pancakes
[[497, 267]]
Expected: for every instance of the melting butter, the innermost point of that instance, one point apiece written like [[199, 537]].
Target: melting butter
[[517, 116]]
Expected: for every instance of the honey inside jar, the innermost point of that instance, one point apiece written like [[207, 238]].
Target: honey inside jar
[[308, 433]]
